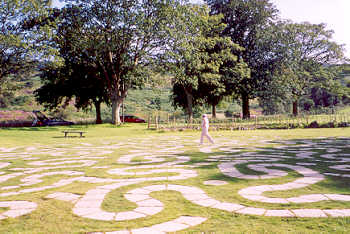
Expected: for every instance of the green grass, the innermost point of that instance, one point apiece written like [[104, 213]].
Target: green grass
[[54, 216]]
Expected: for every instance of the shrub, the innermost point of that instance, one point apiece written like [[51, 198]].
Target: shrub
[[313, 124], [328, 125]]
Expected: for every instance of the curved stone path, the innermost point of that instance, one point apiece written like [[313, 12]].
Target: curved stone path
[[163, 159]]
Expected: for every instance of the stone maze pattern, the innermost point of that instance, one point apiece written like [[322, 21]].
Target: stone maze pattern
[[162, 155]]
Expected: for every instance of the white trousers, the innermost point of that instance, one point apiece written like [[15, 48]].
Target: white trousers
[[206, 134]]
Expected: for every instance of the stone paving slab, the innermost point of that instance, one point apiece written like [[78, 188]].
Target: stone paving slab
[[85, 211], [105, 216], [64, 196], [230, 207], [279, 213], [275, 200], [196, 196], [206, 202], [148, 210], [308, 198], [136, 197], [170, 226], [146, 231], [150, 202], [190, 220], [154, 188], [338, 197], [338, 212], [309, 213], [128, 215], [88, 204], [16, 213], [9, 187], [251, 211], [215, 182]]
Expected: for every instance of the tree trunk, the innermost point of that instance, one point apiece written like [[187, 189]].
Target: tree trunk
[[295, 108], [118, 95], [98, 112], [213, 111], [189, 108], [116, 104], [245, 106]]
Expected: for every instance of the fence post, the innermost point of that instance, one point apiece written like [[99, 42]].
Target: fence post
[[157, 122], [256, 122], [149, 121]]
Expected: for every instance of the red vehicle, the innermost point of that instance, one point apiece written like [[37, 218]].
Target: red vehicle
[[131, 119]]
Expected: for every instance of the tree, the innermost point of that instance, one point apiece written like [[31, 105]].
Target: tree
[[308, 57], [184, 57], [246, 21], [119, 39], [72, 82], [76, 77], [196, 59], [19, 48]]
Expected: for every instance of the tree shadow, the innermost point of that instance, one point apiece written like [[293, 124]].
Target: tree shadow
[[290, 148]]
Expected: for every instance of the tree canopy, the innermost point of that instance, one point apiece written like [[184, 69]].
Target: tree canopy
[[118, 38], [20, 49], [246, 21], [197, 57], [309, 56]]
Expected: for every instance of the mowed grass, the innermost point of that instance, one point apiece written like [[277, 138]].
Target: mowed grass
[[54, 216]]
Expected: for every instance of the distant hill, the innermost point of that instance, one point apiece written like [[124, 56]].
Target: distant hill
[[154, 97]]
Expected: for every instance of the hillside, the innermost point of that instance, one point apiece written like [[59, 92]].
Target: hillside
[[140, 102], [153, 98]]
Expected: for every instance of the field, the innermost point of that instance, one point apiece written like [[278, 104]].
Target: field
[[128, 179]]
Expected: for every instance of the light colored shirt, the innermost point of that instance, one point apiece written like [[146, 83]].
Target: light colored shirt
[[205, 123]]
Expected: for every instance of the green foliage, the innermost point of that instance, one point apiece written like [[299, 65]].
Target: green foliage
[[19, 46], [308, 54], [118, 39], [197, 59], [72, 81], [246, 23]]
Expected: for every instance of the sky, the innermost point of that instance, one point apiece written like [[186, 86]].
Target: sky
[[334, 13]]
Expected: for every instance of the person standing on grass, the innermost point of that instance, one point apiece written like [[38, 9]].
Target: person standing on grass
[[205, 128]]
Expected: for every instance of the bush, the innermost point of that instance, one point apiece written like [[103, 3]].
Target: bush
[[313, 124], [328, 125], [343, 125], [228, 114]]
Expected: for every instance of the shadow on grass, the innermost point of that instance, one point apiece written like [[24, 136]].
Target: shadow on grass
[[46, 128], [63, 137], [32, 129], [319, 147]]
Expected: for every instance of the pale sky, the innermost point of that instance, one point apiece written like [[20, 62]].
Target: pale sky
[[334, 13]]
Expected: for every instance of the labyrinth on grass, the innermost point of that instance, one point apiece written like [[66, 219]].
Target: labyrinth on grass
[[159, 184]]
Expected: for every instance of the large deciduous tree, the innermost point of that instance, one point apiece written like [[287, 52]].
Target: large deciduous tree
[[309, 56], [119, 38], [19, 48], [246, 21], [77, 77], [196, 59], [72, 82]]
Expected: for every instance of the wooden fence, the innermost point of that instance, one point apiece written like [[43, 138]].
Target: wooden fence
[[170, 122]]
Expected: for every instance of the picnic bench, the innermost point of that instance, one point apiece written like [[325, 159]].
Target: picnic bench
[[73, 132]]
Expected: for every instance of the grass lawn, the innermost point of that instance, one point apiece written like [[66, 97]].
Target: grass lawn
[[105, 182]]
